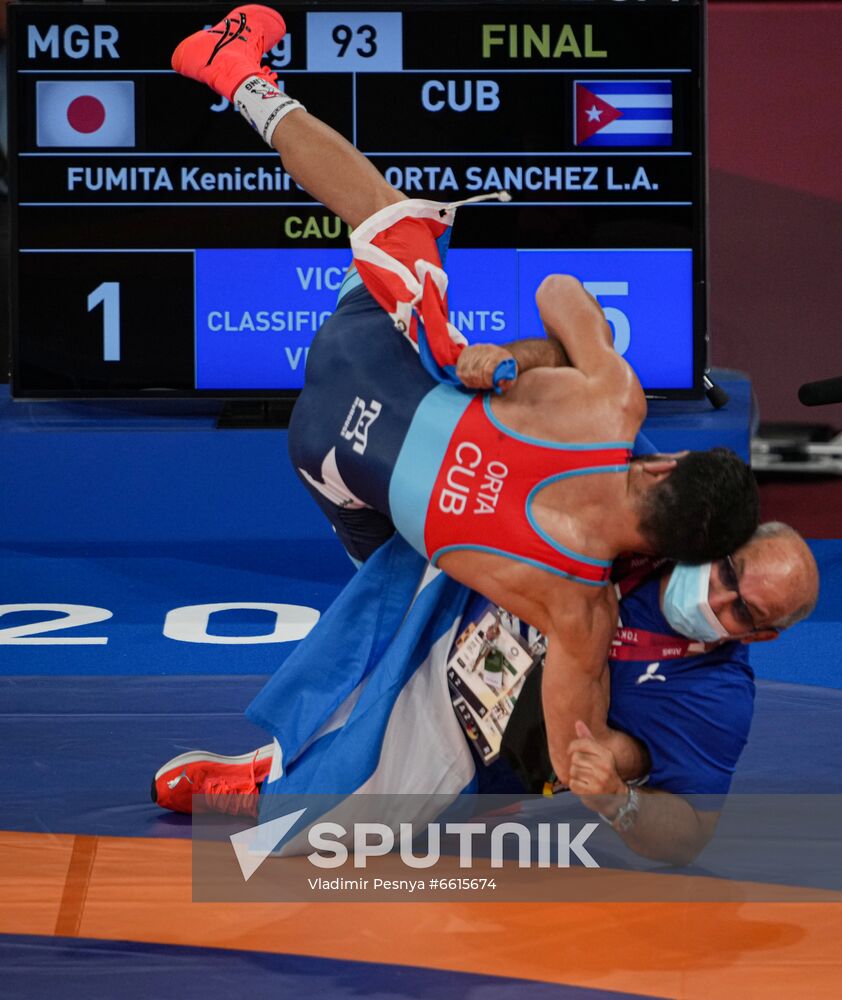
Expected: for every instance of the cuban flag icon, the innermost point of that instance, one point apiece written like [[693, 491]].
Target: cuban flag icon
[[85, 113], [622, 113]]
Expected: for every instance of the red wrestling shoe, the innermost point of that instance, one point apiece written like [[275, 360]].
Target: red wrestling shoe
[[228, 784], [230, 52]]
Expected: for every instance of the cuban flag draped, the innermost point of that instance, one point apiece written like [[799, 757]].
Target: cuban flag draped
[[398, 253], [622, 113], [363, 704]]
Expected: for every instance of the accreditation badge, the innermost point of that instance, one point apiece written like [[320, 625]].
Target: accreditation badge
[[490, 659]]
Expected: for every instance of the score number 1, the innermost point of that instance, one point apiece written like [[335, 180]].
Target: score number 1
[[108, 296]]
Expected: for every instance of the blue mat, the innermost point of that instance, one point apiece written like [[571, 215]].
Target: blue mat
[[78, 753], [50, 968], [140, 583]]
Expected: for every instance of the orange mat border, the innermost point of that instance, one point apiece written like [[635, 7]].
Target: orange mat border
[[139, 889]]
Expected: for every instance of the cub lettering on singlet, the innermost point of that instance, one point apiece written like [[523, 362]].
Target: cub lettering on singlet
[[471, 479], [486, 484]]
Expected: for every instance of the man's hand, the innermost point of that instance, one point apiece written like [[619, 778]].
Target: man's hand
[[477, 364], [593, 774]]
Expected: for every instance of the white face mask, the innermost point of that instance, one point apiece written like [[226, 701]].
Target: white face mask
[[685, 604]]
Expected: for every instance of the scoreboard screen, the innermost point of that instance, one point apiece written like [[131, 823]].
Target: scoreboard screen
[[160, 248]]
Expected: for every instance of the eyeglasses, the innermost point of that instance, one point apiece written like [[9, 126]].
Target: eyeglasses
[[728, 576]]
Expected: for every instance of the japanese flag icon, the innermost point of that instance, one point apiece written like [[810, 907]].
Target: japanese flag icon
[[85, 113]]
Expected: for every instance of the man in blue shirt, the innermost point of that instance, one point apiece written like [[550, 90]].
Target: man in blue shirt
[[689, 715]]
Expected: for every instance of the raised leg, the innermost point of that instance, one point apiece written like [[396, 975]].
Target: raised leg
[[330, 169], [228, 58]]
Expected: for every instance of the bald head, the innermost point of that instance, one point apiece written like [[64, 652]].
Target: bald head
[[782, 572]]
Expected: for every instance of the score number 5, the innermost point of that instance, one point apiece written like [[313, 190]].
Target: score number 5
[[108, 296], [616, 317]]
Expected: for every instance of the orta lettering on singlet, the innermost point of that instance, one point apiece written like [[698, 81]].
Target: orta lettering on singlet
[[468, 480]]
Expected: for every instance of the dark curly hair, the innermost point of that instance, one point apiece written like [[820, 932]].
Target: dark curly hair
[[705, 509]]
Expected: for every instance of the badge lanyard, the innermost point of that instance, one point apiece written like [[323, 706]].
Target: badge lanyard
[[637, 643]]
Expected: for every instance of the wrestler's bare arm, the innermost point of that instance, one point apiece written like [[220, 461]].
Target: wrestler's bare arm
[[478, 362], [574, 683], [536, 352], [576, 320], [578, 336]]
